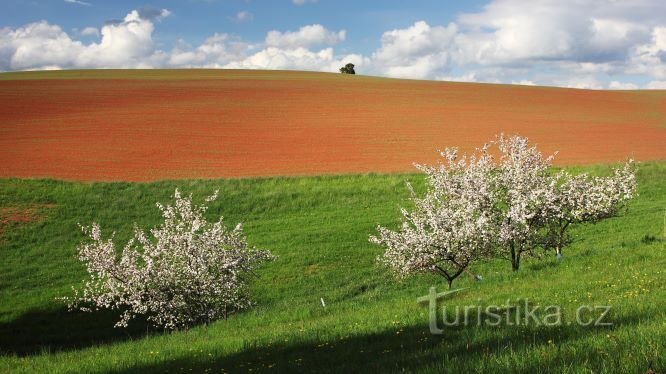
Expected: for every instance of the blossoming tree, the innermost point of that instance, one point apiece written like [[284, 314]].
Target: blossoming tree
[[190, 271], [525, 198], [450, 227], [586, 199], [478, 207]]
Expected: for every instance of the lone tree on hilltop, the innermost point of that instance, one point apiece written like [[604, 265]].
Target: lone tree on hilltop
[[348, 69]]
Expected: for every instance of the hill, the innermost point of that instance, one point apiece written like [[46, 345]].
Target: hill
[[319, 227], [146, 125]]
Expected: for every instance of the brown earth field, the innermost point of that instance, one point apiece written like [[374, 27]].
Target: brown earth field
[[145, 125]]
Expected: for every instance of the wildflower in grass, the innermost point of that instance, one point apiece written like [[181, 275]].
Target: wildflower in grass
[[188, 271]]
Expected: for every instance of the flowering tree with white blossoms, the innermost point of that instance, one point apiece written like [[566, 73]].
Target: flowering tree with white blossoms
[[586, 199], [477, 207], [190, 271], [526, 198], [450, 227]]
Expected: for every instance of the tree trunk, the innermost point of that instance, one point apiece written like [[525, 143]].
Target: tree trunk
[[515, 258]]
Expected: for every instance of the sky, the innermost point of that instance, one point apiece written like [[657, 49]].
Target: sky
[[596, 44]]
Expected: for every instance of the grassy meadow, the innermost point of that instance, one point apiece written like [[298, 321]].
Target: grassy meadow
[[319, 228]]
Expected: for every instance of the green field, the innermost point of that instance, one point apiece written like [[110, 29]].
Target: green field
[[319, 226]]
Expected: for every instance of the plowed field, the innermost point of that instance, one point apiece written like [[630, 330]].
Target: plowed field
[[151, 125]]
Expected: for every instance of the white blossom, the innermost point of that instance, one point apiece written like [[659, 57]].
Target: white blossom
[[188, 271], [583, 198], [450, 227], [477, 207]]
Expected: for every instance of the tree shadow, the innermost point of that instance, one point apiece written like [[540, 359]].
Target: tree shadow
[[407, 349], [56, 330]]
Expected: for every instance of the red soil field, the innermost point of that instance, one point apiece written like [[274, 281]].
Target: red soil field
[[16, 215], [153, 125]]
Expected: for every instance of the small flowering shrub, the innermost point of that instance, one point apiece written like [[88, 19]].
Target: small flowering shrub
[[188, 271]]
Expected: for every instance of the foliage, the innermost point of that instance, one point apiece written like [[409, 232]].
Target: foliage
[[475, 208], [583, 198], [191, 271], [319, 227], [526, 198], [348, 69], [451, 226]]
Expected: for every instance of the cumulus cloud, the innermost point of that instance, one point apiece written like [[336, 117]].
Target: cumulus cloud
[[305, 37], [570, 43], [418, 51], [297, 59], [128, 43], [216, 51], [615, 85], [40, 45], [576, 43], [656, 85], [297, 50], [37, 46]]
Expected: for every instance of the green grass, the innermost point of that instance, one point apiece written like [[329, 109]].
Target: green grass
[[171, 74], [319, 228]]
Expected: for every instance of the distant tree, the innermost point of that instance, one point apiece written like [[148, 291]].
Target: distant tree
[[348, 69]]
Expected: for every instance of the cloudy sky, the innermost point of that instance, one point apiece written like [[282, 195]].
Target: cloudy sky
[[618, 44]]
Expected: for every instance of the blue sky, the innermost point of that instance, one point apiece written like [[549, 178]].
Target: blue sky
[[569, 43]]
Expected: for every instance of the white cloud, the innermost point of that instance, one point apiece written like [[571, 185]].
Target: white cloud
[[297, 59], [656, 85], [418, 51], [126, 44], [589, 82], [615, 85], [514, 31], [37, 46], [216, 51], [305, 37], [89, 31], [571, 43], [650, 58], [243, 16], [524, 82], [40, 45], [78, 2]]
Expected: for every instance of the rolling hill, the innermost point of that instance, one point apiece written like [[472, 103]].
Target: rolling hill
[[145, 125]]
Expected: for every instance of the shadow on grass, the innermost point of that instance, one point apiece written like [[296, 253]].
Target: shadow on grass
[[60, 330], [412, 348]]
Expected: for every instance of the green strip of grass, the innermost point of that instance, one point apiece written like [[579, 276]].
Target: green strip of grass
[[319, 228], [175, 74]]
